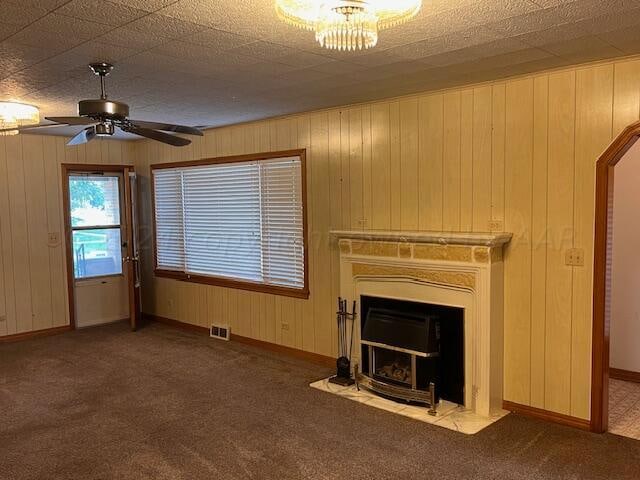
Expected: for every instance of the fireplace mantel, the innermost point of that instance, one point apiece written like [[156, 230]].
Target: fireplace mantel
[[464, 270], [441, 238]]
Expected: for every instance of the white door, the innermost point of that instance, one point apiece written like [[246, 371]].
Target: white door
[[98, 243]]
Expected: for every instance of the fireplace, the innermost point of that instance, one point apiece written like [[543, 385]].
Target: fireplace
[[412, 351], [435, 301]]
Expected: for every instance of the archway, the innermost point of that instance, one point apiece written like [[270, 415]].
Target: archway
[[602, 274]]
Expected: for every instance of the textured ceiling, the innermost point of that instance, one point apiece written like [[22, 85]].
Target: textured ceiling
[[216, 62]]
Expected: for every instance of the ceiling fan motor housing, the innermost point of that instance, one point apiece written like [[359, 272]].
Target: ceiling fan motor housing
[[104, 129], [103, 109]]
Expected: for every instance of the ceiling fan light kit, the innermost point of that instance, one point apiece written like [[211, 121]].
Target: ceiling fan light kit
[[14, 115], [347, 25], [101, 117]]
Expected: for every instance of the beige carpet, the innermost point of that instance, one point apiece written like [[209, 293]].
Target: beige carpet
[[624, 408], [161, 403]]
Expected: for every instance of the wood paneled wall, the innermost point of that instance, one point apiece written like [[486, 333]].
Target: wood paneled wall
[[33, 294], [517, 155]]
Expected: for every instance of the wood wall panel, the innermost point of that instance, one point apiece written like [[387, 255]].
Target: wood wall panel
[[517, 220], [451, 178], [430, 171], [594, 114], [409, 185], [626, 94], [7, 297], [381, 168], [520, 152], [33, 293], [539, 233], [498, 119], [560, 230], [482, 157]]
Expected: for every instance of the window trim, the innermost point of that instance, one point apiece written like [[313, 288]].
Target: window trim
[[303, 292]]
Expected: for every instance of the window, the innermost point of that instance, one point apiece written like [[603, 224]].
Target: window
[[237, 221], [95, 225]]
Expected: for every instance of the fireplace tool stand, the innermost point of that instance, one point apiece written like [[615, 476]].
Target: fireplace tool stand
[[345, 344]]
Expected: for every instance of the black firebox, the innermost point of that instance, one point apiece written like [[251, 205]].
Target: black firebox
[[409, 347]]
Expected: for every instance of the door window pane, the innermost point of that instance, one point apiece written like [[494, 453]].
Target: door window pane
[[97, 252], [95, 200]]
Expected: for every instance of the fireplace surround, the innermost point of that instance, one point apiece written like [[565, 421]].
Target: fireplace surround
[[438, 277]]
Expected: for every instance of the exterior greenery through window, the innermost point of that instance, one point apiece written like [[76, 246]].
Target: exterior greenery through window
[[235, 221], [95, 225]]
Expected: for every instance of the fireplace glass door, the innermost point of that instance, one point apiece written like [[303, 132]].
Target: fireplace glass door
[[393, 366]]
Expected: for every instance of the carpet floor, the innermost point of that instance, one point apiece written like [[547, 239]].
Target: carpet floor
[[105, 403]]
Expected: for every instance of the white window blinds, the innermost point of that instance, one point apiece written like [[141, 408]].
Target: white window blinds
[[241, 221]]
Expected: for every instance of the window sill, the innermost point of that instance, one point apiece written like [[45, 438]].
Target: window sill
[[237, 284]]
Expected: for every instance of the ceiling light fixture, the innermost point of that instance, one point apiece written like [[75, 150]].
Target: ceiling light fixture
[[14, 115], [347, 24]]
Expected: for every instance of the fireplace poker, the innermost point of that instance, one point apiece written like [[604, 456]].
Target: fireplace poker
[[343, 363], [353, 322]]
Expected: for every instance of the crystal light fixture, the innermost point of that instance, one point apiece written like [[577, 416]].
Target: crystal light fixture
[[347, 24], [14, 115]]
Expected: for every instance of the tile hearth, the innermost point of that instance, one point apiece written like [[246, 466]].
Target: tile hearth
[[449, 415]]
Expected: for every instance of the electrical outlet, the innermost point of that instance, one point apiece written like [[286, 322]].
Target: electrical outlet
[[496, 226], [53, 239], [574, 257], [285, 326]]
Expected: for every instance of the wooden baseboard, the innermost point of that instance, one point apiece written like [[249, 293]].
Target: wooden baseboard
[[292, 352], [546, 415], [273, 347], [626, 375], [18, 337], [177, 324]]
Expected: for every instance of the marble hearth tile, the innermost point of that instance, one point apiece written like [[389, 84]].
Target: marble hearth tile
[[327, 386], [465, 421], [449, 415], [385, 404], [444, 408]]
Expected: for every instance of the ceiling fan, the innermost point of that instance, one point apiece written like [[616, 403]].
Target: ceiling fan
[[102, 116]]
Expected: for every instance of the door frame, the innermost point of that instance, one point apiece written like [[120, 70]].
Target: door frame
[[602, 258], [68, 239]]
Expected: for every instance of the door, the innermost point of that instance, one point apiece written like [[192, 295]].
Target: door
[[101, 255]]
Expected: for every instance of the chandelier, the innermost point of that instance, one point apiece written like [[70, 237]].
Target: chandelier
[[14, 115], [347, 24]]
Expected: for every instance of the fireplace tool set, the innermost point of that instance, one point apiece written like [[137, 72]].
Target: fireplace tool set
[[345, 343]]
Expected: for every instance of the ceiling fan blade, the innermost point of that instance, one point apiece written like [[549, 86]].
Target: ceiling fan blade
[[84, 136], [32, 127], [73, 120], [166, 127], [158, 136]]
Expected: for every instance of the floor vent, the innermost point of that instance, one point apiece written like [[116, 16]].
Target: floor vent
[[221, 332]]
